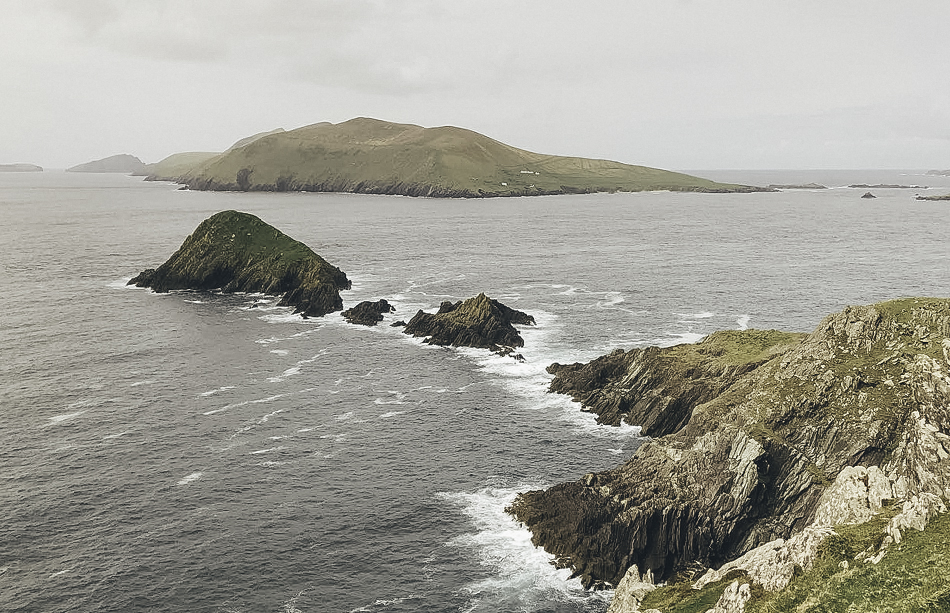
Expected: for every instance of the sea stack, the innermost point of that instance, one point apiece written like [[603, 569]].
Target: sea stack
[[237, 252], [478, 322]]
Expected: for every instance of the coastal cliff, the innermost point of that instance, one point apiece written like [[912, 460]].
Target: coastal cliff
[[849, 427], [237, 252]]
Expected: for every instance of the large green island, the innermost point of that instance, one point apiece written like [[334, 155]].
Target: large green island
[[377, 157], [787, 472]]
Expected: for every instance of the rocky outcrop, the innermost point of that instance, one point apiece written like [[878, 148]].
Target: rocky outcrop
[[478, 322], [867, 389], [868, 195], [656, 388], [237, 252], [368, 313]]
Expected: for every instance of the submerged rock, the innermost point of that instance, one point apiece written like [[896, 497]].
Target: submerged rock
[[869, 389], [237, 252], [368, 313], [477, 322]]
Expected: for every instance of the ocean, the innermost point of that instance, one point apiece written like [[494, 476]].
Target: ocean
[[195, 451]]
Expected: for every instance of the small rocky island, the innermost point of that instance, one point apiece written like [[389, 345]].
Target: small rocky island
[[123, 163], [237, 252], [368, 313], [479, 322], [793, 471], [20, 168]]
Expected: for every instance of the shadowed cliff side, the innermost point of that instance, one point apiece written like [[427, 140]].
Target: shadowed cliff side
[[478, 322], [866, 389], [237, 252]]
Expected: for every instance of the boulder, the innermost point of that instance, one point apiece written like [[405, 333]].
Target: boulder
[[237, 252], [479, 322], [368, 313]]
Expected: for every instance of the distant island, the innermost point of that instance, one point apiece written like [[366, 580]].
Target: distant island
[[799, 186], [20, 168], [377, 157], [943, 197], [122, 163], [887, 186], [939, 173]]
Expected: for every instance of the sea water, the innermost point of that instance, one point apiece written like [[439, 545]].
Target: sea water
[[206, 452]]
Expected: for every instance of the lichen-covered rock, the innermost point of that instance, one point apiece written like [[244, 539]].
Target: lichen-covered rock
[[237, 252], [867, 388], [657, 389], [478, 322], [368, 313]]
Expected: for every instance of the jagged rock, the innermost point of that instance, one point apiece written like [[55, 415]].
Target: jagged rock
[[867, 388], [734, 599], [477, 322], [868, 195], [368, 313], [631, 591], [237, 252], [656, 388]]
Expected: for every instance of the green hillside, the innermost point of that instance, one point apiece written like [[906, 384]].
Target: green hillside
[[371, 156]]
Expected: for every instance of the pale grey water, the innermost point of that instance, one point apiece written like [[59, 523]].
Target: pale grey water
[[189, 452]]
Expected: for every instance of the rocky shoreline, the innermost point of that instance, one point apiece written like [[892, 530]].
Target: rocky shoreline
[[759, 463]]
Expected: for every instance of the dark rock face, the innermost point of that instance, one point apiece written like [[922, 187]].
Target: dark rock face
[[868, 195], [750, 465], [656, 388], [237, 252], [477, 322], [368, 313]]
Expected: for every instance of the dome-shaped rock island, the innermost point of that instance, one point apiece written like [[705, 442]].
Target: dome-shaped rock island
[[237, 252]]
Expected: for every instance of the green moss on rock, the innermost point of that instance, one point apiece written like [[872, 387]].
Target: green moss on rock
[[237, 252]]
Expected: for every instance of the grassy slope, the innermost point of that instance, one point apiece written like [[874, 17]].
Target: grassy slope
[[376, 156]]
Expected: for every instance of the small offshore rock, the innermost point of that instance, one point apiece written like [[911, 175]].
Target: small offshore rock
[[479, 322], [368, 313]]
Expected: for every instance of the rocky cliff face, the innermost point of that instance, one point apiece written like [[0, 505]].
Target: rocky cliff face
[[237, 252], [867, 389], [477, 322], [656, 388]]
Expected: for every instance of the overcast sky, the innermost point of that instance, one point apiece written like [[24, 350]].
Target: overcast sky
[[678, 84]]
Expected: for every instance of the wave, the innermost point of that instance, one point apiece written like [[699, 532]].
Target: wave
[[190, 478], [522, 576], [64, 417], [743, 322]]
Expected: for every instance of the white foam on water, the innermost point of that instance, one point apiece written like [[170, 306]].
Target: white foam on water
[[399, 398], [190, 478], [703, 315], [391, 414], [302, 430], [271, 464], [58, 419], [138, 383], [268, 450], [217, 391], [195, 301], [743, 322], [245, 403], [610, 299], [279, 351], [111, 436], [381, 604], [523, 577], [62, 572], [290, 372]]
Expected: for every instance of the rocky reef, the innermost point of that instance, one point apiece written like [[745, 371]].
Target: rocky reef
[[478, 322], [656, 388], [237, 252], [368, 313], [818, 459]]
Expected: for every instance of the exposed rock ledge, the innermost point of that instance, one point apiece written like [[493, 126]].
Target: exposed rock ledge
[[478, 322], [853, 419], [368, 313], [237, 252]]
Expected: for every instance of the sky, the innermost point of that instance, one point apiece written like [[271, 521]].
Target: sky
[[676, 84]]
